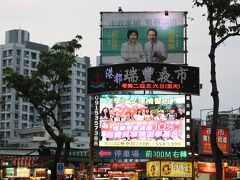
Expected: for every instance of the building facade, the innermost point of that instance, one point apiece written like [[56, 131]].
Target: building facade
[[17, 115], [231, 120]]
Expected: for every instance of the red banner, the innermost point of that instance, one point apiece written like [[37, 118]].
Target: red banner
[[121, 174], [231, 171], [123, 166], [222, 135]]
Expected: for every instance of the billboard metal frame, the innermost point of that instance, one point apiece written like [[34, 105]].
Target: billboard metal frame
[[157, 22]]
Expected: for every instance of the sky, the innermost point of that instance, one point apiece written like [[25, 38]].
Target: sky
[[51, 21]]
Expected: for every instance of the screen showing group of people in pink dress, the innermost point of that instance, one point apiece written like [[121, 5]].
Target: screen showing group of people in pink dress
[[141, 114]]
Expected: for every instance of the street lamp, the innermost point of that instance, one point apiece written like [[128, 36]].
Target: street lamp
[[201, 110]]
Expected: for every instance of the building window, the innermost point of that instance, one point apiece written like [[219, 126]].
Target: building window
[[2, 126], [9, 98], [16, 106], [26, 54], [15, 124], [8, 134], [77, 114], [4, 63], [25, 72], [25, 108], [26, 63], [31, 109], [33, 64], [16, 116], [10, 52], [8, 107], [33, 55], [82, 106], [8, 125], [78, 81], [24, 125], [18, 69], [3, 81], [38, 119], [24, 117], [18, 52], [78, 106], [31, 118], [78, 90], [8, 115], [25, 99], [18, 61], [10, 62], [4, 54]]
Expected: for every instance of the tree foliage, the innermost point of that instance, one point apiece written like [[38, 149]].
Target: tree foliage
[[223, 17], [44, 87]]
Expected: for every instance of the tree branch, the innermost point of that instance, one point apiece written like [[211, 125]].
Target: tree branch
[[226, 37]]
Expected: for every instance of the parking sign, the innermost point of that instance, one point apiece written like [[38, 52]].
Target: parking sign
[[60, 168]]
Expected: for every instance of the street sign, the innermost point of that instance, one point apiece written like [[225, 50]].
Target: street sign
[[60, 168], [143, 153]]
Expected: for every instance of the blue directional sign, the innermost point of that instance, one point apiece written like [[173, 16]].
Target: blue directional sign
[[143, 153]]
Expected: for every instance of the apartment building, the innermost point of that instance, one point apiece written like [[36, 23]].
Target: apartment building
[[17, 115]]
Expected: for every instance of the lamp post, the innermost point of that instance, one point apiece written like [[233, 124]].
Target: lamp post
[[201, 110]]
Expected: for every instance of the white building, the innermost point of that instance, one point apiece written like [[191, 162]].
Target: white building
[[16, 114], [226, 119]]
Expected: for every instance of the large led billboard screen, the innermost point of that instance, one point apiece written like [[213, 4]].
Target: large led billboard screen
[[146, 120], [116, 42]]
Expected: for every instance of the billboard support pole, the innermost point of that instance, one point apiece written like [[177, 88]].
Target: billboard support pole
[[101, 40], [185, 39], [193, 148], [91, 144]]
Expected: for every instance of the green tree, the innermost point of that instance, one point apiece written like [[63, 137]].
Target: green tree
[[223, 17], [45, 95]]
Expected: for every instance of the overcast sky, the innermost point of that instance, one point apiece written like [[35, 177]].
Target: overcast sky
[[50, 21]]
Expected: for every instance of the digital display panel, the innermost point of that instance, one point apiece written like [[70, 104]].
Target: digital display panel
[[140, 120], [116, 40], [143, 76]]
